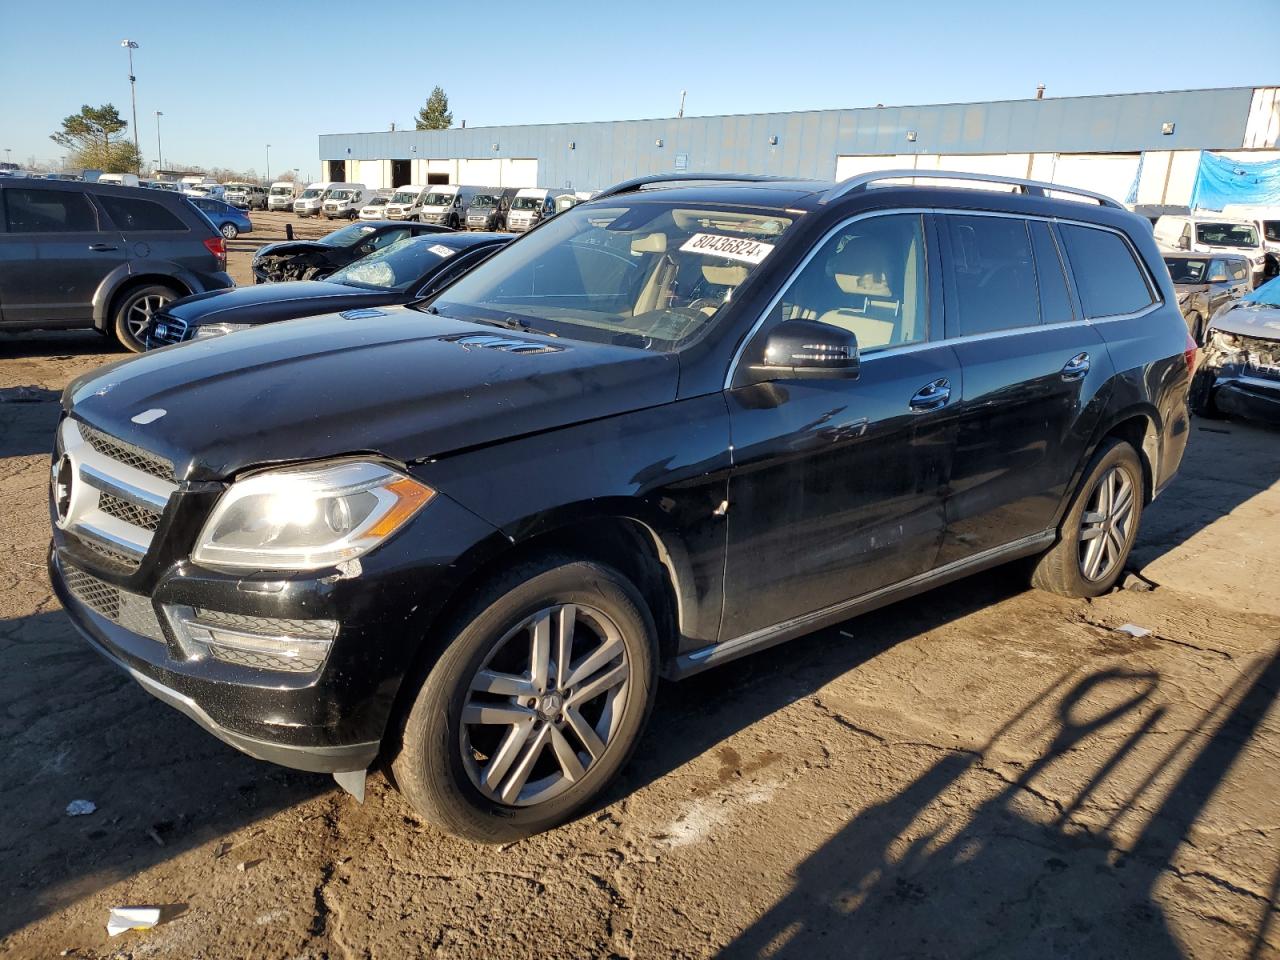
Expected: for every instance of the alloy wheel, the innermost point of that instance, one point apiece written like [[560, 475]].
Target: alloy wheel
[[544, 705], [1106, 526], [138, 317]]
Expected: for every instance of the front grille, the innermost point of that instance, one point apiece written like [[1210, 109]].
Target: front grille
[[131, 611], [128, 512], [127, 453], [166, 330]]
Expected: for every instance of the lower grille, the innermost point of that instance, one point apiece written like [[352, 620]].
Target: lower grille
[[125, 560], [131, 611]]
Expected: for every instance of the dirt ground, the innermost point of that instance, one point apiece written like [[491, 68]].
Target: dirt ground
[[984, 771]]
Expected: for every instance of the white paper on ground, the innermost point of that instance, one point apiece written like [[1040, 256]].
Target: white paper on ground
[[132, 918], [1134, 630]]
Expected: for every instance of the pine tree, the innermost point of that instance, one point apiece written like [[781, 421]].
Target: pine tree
[[435, 114]]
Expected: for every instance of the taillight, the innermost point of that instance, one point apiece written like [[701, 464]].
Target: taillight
[[1190, 354], [218, 247]]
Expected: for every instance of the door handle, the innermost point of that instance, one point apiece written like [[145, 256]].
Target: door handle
[[932, 396], [101, 247], [1076, 368]]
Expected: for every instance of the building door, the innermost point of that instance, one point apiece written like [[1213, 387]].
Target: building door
[[401, 173]]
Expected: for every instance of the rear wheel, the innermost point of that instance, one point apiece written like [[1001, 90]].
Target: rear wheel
[[230, 231], [1099, 529], [535, 704], [135, 311]]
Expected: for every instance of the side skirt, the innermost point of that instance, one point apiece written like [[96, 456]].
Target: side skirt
[[715, 654]]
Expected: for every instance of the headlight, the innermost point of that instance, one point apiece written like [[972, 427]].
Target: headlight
[[205, 331], [1221, 338], [307, 518]]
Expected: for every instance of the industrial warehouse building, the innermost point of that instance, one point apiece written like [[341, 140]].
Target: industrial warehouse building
[[1146, 148]]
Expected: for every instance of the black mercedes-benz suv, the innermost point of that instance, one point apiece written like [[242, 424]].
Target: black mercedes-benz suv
[[691, 418]]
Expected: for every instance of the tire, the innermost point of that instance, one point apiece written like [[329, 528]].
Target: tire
[[1200, 397], [465, 777], [134, 311], [1082, 565], [229, 230], [1195, 324]]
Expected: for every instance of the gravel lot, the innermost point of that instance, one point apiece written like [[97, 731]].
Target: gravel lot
[[983, 771]]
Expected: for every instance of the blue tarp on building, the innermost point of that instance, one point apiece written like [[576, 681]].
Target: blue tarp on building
[[1220, 181]]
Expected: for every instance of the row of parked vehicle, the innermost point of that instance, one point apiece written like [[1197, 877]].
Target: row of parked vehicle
[[457, 206]]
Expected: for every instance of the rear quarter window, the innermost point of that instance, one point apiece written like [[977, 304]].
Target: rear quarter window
[[135, 215], [1108, 278]]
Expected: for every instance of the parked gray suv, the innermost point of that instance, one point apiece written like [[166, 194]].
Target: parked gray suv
[[86, 255]]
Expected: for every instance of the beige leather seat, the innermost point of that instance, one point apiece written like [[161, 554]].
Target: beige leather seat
[[874, 311]]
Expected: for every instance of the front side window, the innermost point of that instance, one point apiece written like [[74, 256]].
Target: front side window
[[48, 211], [1186, 271], [993, 275], [643, 273], [1226, 234], [1238, 270], [868, 279], [1109, 279], [140, 215]]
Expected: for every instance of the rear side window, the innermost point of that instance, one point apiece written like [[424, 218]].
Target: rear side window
[[1055, 300], [993, 275], [1108, 278], [131, 214], [48, 211]]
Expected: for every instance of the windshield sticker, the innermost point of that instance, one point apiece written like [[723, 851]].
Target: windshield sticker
[[440, 250], [731, 248]]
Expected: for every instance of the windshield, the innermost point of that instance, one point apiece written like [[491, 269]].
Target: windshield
[[438, 199], [484, 200], [1227, 234], [405, 196], [1186, 271], [650, 274], [526, 203], [281, 191], [348, 236], [397, 266], [340, 195], [310, 193], [377, 202]]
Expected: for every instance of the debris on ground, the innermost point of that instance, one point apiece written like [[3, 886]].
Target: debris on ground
[[1137, 583], [80, 808], [131, 918], [1133, 630], [244, 866]]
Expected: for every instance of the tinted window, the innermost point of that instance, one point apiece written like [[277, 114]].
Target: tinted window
[[1109, 280], [130, 214], [993, 274], [1238, 271], [1055, 300], [48, 211], [869, 279], [1271, 229]]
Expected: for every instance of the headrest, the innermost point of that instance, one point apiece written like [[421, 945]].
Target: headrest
[[724, 276], [861, 267], [653, 243]]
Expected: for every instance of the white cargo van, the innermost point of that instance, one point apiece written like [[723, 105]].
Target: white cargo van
[[281, 194], [344, 200], [1204, 232], [311, 199], [1266, 219], [446, 204], [406, 202], [531, 205], [121, 179]]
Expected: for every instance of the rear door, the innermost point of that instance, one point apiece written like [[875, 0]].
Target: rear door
[[837, 484], [1033, 372], [152, 230], [53, 255]]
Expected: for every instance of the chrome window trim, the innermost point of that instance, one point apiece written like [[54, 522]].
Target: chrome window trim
[[1152, 288]]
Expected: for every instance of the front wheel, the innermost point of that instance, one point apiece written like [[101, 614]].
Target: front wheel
[[230, 231], [1099, 529], [535, 704], [135, 311]]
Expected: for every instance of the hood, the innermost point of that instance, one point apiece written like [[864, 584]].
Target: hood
[[287, 248], [397, 383], [268, 302], [1248, 319]]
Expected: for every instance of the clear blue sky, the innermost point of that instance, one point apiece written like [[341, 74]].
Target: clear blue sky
[[234, 76]]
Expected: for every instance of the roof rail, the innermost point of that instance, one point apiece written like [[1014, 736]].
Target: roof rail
[[1034, 188], [638, 183]]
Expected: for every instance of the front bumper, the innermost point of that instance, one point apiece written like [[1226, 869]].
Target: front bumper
[[331, 720], [1252, 398]]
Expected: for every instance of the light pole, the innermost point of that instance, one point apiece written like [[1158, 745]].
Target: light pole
[[159, 151], [131, 46], [8, 151], [268, 163]]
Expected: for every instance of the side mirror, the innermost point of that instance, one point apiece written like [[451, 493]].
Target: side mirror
[[808, 349], [1218, 278]]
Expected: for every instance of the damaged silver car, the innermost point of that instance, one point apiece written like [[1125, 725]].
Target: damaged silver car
[[1239, 371]]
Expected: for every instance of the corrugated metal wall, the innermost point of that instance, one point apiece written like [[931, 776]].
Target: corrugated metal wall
[[589, 156]]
